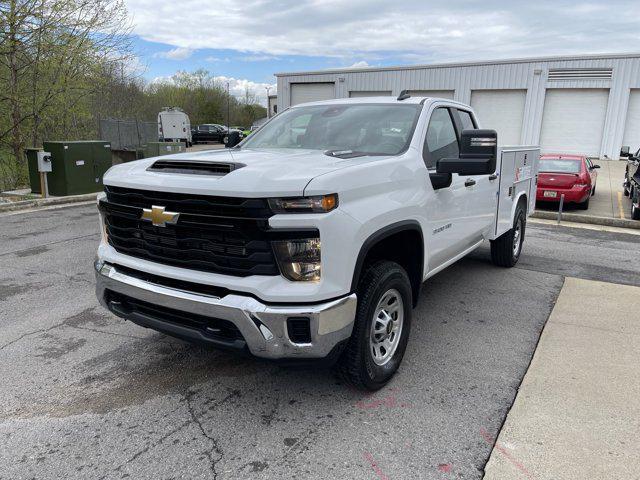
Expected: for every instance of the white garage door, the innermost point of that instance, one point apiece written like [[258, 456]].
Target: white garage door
[[311, 92], [632, 125], [377, 93], [502, 111], [432, 93], [573, 120]]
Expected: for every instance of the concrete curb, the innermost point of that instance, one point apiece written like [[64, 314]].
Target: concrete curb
[[46, 202], [575, 217]]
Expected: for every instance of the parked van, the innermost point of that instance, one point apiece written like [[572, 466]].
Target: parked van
[[174, 126]]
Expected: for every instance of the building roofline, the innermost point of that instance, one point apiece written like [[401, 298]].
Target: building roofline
[[463, 64]]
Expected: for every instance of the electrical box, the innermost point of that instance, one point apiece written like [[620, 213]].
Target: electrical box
[[44, 161], [77, 167], [157, 149], [34, 174]]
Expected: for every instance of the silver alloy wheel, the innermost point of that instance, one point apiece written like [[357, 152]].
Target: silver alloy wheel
[[517, 234], [386, 327]]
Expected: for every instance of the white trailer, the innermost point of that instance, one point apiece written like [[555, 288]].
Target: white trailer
[[174, 126]]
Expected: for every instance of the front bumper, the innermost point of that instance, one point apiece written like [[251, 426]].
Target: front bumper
[[263, 327]]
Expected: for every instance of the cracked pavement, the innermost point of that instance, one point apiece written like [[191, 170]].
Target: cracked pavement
[[87, 395]]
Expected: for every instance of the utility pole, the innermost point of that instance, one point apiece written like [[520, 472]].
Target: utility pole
[[268, 106], [228, 111]]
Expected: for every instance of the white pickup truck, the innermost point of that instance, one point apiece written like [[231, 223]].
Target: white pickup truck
[[311, 239]]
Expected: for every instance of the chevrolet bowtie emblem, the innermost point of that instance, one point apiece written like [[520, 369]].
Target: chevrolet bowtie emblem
[[159, 217]]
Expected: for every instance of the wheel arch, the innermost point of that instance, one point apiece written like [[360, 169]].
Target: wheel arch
[[521, 199], [379, 245]]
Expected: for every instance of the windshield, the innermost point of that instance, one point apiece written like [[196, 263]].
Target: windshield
[[367, 129], [558, 165]]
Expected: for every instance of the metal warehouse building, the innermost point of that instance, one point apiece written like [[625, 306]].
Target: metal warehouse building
[[583, 104]]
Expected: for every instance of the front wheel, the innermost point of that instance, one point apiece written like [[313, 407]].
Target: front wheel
[[381, 329], [505, 250]]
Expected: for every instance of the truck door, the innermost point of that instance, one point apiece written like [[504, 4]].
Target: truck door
[[450, 212], [481, 189]]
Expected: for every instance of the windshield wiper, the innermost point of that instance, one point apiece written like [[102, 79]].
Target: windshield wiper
[[345, 153]]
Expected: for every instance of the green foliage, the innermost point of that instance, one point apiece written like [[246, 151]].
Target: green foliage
[[203, 98]]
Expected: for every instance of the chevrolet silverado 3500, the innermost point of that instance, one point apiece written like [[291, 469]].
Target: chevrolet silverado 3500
[[311, 239]]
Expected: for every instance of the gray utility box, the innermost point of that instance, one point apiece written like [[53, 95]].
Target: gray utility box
[[157, 149]]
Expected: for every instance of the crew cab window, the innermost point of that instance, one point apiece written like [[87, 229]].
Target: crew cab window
[[441, 141], [466, 119]]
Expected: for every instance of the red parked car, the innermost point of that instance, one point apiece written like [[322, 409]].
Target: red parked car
[[572, 175]]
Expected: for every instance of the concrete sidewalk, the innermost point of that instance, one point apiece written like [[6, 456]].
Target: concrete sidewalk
[[577, 412]]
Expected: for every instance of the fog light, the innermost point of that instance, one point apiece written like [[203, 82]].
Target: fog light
[[299, 260]]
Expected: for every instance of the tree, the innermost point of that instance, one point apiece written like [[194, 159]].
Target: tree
[[51, 52]]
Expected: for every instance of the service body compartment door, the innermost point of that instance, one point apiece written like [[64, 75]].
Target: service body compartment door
[[517, 172]]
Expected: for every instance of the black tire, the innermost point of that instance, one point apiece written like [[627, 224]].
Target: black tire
[[503, 251], [635, 207], [584, 205], [356, 365]]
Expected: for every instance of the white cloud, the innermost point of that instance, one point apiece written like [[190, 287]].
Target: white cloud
[[360, 64], [178, 53], [216, 59], [437, 30], [239, 86], [258, 58]]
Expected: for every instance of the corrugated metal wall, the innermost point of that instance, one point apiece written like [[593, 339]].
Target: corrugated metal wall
[[518, 74]]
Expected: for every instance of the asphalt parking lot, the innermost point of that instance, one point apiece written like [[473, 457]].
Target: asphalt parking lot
[[87, 395]]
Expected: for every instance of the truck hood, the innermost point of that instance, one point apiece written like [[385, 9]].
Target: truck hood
[[257, 173]]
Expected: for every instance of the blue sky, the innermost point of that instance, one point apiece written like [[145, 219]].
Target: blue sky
[[246, 42]]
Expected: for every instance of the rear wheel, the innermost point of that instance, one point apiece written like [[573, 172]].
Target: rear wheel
[[584, 205], [381, 329], [505, 250]]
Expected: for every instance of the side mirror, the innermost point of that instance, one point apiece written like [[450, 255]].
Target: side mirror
[[233, 139], [478, 154], [440, 180], [595, 166], [625, 151]]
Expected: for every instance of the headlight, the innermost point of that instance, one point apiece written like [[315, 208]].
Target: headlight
[[317, 204], [299, 260]]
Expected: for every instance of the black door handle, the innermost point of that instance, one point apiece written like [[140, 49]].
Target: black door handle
[[493, 176], [469, 182]]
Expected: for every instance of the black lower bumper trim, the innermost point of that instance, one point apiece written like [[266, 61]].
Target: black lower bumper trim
[[190, 327]]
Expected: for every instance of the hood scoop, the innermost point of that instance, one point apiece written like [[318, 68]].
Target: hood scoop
[[192, 167]]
